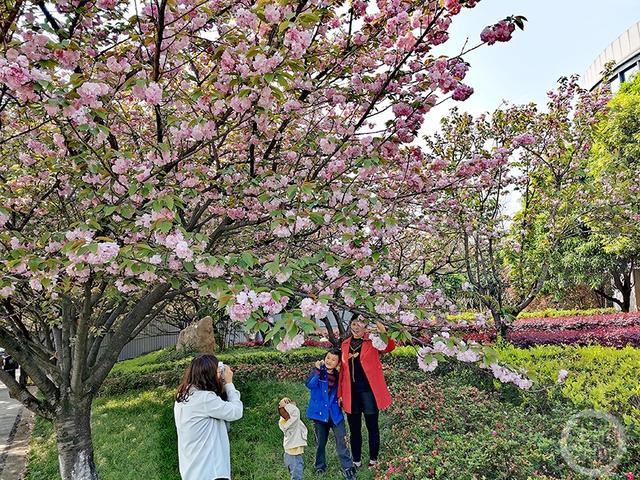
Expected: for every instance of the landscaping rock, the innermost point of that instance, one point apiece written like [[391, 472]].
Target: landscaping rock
[[198, 336]]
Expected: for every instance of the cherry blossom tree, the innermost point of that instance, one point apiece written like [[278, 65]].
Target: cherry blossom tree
[[539, 158], [607, 253], [258, 154]]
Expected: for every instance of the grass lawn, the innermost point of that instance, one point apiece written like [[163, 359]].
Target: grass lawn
[[453, 424], [135, 437]]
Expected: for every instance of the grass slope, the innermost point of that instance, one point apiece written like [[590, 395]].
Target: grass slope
[[453, 424]]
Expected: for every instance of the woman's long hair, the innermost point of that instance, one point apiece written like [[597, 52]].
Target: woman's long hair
[[202, 374]]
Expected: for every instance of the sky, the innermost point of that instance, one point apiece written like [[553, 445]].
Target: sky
[[561, 37]]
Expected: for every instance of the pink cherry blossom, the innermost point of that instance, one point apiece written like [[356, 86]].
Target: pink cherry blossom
[[288, 343], [7, 290], [422, 365], [272, 13], [562, 376], [153, 93], [183, 251], [239, 312], [377, 342]]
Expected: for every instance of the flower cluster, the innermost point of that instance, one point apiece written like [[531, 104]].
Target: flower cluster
[[444, 345], [288, 343], [311, 308], [248, 301], [377, 342], [500, 32]]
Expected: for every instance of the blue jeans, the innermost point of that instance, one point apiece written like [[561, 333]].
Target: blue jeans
[[295, 465], [322, 435]]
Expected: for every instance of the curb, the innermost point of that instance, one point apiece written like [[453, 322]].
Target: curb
[[13, 461]]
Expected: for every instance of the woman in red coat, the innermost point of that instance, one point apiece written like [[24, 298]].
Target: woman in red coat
[[362, 389]]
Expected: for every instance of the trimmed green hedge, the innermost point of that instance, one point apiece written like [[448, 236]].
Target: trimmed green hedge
[[150, 370], [550, 312], [602, 378]]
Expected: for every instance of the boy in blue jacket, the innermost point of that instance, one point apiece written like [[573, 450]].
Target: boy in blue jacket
[[326, 413]]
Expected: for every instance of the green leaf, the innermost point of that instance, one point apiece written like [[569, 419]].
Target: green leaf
[[282, 80], [317, 218], [44, 84], [248, 259], [308, 19], [278, 93], [164, 226], [283, 26]]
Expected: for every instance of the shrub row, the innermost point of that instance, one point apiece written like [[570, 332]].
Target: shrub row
[[308, 342], [607, 336], [615, 330], [579, 321], [150, 371], [548, 313]]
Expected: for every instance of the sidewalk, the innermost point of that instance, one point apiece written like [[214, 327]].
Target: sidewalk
[[15, 429]]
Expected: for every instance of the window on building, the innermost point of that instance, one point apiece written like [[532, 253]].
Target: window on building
[[615, 84], [631, 72]]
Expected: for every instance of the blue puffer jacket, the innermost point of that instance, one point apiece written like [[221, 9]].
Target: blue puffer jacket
[[323, 405]]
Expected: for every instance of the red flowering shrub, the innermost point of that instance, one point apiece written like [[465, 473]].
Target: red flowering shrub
[[250, 343], [615, 330], [608, 336], [310, 342], [579, 322]]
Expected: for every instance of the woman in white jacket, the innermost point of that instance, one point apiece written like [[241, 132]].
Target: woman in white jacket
[[206, 399]]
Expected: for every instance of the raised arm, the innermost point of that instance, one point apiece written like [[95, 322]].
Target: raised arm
[[294, 416], [391, 344], [313, 379], [228, 410]]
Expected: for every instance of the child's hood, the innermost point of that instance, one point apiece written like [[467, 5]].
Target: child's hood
[[292, 410]]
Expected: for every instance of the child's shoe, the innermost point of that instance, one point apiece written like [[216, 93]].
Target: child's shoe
[[350, 473], [357, 464], [373, 463]]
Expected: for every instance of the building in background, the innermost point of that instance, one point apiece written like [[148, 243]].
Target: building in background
[[624, 53]]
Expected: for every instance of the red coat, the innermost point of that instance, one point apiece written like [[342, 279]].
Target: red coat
[[370, 360]]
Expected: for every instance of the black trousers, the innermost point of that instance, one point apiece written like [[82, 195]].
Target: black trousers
[[355, 430]]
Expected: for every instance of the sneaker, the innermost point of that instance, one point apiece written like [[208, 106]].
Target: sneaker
[[357, 464], [373, 463], [350, 473], [320, 471]]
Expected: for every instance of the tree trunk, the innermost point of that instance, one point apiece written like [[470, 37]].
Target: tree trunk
[[626, 299], [332, 337], [502, 329], [73, 434]]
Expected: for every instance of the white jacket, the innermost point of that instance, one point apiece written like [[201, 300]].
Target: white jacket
[[203, 441], [295, 431]]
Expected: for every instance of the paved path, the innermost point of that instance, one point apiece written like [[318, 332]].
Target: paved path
[[15, 429]]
